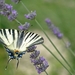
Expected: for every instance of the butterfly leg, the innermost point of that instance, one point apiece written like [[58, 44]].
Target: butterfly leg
[[8, 63], [17, 63]]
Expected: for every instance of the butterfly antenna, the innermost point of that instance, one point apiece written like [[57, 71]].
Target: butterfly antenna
[[8, 63], [17, 63]]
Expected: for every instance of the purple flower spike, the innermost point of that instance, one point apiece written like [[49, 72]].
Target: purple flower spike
[[31, 15], [8, 7], [54, 29], [25, 26], [6, 10], [13, 15], [38, 61], [59, 35], [47, 20], [42, 66], [35, 54], [21, 27], [57, 32], [31, 48], [16, 1], [9, 12], [2, 4]]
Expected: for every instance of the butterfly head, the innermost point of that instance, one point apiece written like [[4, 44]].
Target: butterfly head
[[14, 54]]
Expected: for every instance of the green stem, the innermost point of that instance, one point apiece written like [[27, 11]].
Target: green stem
[[71, 52], [46, 73], [18, 22], [56, 58], [25, 6]]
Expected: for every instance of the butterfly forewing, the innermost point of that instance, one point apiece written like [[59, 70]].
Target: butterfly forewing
[[9, 37], [30, 39], [19, 40], [6, 36], [16, 37]]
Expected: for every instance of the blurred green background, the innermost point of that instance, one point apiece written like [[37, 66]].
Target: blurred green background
[[60, 12]]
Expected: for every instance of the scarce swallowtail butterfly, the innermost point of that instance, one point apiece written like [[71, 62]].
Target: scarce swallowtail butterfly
[[16, 42]]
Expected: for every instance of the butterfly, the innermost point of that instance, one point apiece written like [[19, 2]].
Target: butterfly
[[17, 42]]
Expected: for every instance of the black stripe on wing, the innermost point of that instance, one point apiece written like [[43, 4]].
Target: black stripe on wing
[[13, 34], [34, 36], [36, 39], [1, 40], [20, 38], [5, 33], [39, 41], [30, 39], [1, 32], [28, 34], [3, 36], [7, 36], [9, 30]]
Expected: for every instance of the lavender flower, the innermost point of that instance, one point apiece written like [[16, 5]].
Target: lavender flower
[[9, 12], [16, 1], [8, 7], [35, 54], [31, 48], [38, 61], [60, 35], [47, 20], [40, 64], [25, 26], [57, 32], [2, 4], [13, 15], [54, 29], [31, 15], [6, 10], [42, 67]]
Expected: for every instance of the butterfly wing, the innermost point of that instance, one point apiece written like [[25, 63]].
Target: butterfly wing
[[5, 36], [9, 37], [27, 39], [19, 40]]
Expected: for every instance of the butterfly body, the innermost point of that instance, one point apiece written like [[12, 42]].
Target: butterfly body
[[16, 42]]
